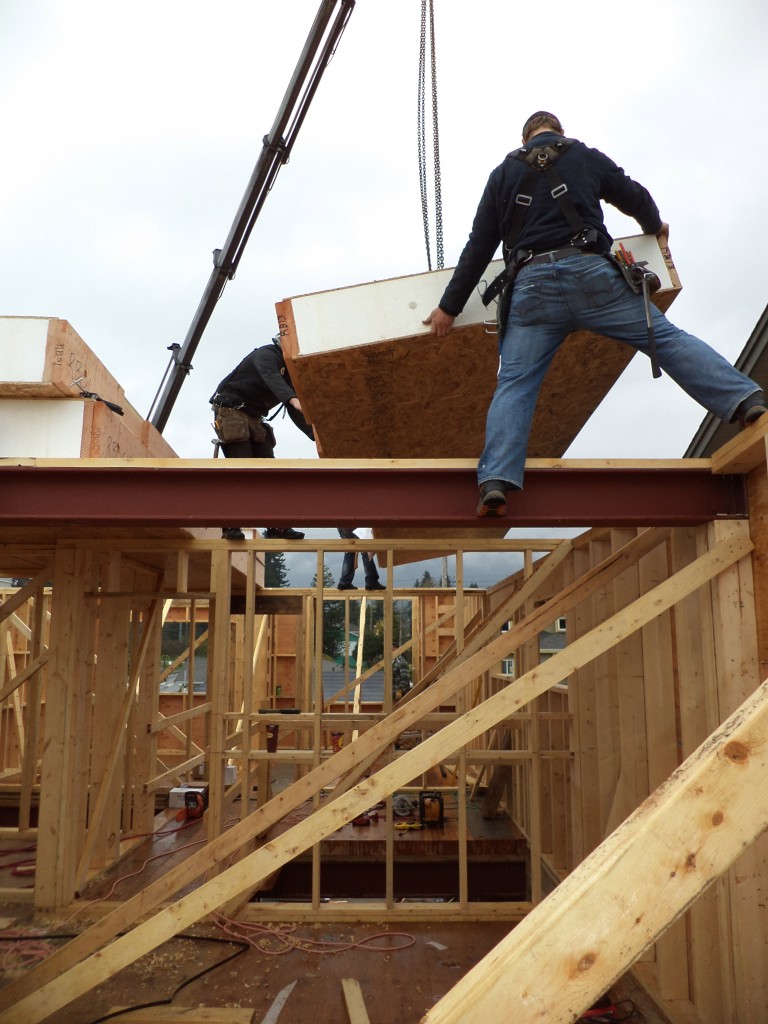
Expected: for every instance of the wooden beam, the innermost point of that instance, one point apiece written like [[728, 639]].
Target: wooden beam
[[10, 656], [186, 1014], [354, 1002], [175, 772], [169, 723], [34, 714], [20, 625], [745, 451], [708, 923], [26, 592], [66, 738], [578, 942], [26, 673], [186, 655], [735, 645], [110, 669], [44, 992], [118, 739], [272, 604], [606, 570], [218, 682]]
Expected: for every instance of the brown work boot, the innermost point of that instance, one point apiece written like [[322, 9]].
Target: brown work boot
[[493, 498]]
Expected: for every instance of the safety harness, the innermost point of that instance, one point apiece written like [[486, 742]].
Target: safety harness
[[541, 160]]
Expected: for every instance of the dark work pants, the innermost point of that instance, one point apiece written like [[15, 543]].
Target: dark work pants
[[348, 568]]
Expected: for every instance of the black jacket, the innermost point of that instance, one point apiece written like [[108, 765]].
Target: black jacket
[[590, 176], [259, 383]]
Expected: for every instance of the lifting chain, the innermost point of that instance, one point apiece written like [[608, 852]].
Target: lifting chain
[[421, 132]]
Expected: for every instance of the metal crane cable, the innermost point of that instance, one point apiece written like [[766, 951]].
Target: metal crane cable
[[318, 51], [421, 133]]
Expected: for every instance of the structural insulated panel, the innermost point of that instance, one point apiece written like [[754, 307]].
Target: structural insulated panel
[[376, 384], [43, 413]]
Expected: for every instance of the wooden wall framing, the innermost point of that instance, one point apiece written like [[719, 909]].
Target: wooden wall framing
[[595, 752]]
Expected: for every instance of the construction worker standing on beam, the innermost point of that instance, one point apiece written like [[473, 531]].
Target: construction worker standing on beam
[[241, 403], [544, 204]]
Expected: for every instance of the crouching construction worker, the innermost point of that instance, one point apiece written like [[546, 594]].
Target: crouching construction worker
[[241, 403]]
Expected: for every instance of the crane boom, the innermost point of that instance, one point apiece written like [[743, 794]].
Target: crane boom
[[276, 150]]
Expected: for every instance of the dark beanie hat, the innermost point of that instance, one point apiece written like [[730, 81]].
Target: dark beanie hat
[[543, 116]]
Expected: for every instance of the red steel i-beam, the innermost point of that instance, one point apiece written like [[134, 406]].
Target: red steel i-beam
[[376, 493]]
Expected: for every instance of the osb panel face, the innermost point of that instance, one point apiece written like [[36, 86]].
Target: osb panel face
[[422, 397], [582, 373], [407, 398]]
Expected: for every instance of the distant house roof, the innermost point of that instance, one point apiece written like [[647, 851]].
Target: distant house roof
[[550, 641], [713, 432]]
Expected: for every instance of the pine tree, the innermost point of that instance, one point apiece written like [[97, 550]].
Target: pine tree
[[328, 580], [275, 570], [333, 618]]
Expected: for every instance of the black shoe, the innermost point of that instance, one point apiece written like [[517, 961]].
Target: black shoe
[[232, 533], [378, 585], [275, 533], [346, 586], [493, 498]]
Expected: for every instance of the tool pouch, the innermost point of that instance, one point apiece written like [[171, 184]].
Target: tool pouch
[[643, 282], [505, 295], [633, 274], [505, 298], [269, 434], [502, 309], [501, 290], [233, 425]]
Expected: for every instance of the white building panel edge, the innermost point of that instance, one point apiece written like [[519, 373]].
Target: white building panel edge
[[22, 348], [40, 428]]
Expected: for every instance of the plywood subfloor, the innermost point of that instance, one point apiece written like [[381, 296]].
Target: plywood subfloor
[[400, 985], [402, 970], [397, 986]]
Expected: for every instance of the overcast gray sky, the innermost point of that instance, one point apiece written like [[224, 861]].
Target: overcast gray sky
[[131, 130]]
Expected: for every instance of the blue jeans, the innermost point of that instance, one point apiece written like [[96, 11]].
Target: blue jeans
[[584, 292]]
